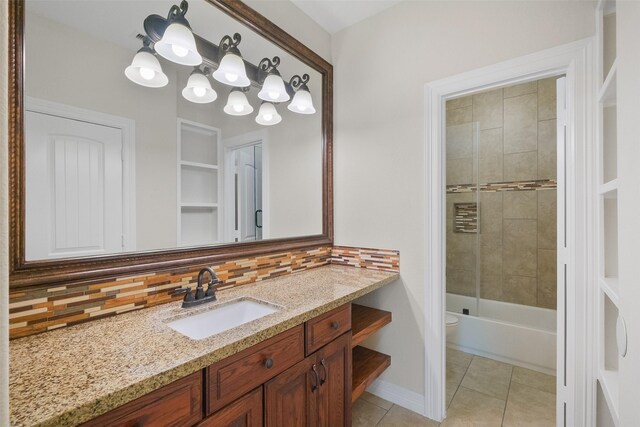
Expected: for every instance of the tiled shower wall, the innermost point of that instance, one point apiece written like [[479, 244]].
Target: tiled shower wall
[[504, 140]]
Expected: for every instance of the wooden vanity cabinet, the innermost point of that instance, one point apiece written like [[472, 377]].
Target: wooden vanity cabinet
[[300, 377]]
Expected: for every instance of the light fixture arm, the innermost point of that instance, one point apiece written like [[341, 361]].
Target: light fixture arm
[[298, 82], [228, 44], [177, 13], [267, 65]]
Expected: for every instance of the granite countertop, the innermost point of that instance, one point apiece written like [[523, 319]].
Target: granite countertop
[[70, 375]]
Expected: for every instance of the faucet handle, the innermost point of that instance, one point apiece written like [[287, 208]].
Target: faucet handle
[[211, 289], [188, 296]]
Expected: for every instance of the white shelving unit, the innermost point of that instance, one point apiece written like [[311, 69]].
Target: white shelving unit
[[608, 285], [199, 184]]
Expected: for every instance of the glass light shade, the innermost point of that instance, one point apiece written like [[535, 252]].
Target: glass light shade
[[237, 104], [231, 71], [273, 89], [268, 115], [145, 70], [199, 89], [302, 103], [178, 45]]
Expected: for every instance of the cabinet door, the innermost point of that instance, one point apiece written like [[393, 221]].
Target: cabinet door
[[244, 412], [291, 398], [334, 400]]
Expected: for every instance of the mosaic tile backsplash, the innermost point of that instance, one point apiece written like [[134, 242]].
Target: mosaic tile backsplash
[[39, 310], [375, 259]]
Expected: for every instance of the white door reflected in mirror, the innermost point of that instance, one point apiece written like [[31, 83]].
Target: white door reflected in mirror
[[74, 188]]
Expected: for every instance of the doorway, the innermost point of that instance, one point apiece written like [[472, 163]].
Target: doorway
[[574, 380], [501, 252], [247, 192], [246, 175]]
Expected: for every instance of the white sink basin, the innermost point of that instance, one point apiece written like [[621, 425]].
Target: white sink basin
[[221, 318]]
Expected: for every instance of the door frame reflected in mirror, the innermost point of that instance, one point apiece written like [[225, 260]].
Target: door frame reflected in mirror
[[23, 273]]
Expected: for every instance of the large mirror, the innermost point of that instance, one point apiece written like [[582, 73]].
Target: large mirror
[[159, 127]]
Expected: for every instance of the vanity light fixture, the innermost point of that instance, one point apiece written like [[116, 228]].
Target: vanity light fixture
[[268, 115], [199, 88], [173, 39], [237, 103], [145, 68], [273, 89], [177, 43], [231, 70], [302, 102]]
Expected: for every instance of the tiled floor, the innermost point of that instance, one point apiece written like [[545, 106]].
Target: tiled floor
[[480, 392]]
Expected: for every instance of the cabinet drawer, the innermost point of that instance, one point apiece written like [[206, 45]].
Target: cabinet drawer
[[323, 329], [176, 404], [234, 376]]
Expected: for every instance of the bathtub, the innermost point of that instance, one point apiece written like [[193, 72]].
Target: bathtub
[[512, 333]]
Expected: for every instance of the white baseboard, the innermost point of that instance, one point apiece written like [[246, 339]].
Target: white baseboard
[[398, 395]]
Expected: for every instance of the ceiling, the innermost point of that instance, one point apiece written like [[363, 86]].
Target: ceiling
[[335, 15]]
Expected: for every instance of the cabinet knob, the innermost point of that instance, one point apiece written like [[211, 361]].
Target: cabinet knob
[[268, 363], [335, 325]]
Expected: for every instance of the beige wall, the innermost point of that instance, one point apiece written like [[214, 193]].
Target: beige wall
[[628, 44], [381, 67], [504, 135]]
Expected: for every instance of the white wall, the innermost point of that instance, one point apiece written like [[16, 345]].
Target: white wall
[[628, 40], [381, 66], [4, 220]]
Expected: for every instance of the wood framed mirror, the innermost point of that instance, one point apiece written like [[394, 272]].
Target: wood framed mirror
[[27, 207]]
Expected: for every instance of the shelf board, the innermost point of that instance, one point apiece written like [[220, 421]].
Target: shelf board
[[198, 165], [367, 365], [607, 95], [199, 205], [610, 388], [365, 321], [609, 187], [609, 286]]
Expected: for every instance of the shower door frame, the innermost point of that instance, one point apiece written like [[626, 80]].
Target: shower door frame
[[575, 396]]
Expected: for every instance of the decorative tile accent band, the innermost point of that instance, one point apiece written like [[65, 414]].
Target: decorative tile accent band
[[375, 259], [492, 187], [465, 218], [32, 311]]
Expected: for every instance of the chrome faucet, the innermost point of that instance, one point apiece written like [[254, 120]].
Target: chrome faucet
[[201, 296]]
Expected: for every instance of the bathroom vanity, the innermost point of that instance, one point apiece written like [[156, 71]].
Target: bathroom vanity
[[294, 366]]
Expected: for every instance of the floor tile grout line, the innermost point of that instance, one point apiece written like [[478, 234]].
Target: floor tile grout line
[[385, 414], [506, 402], [466, 369]]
